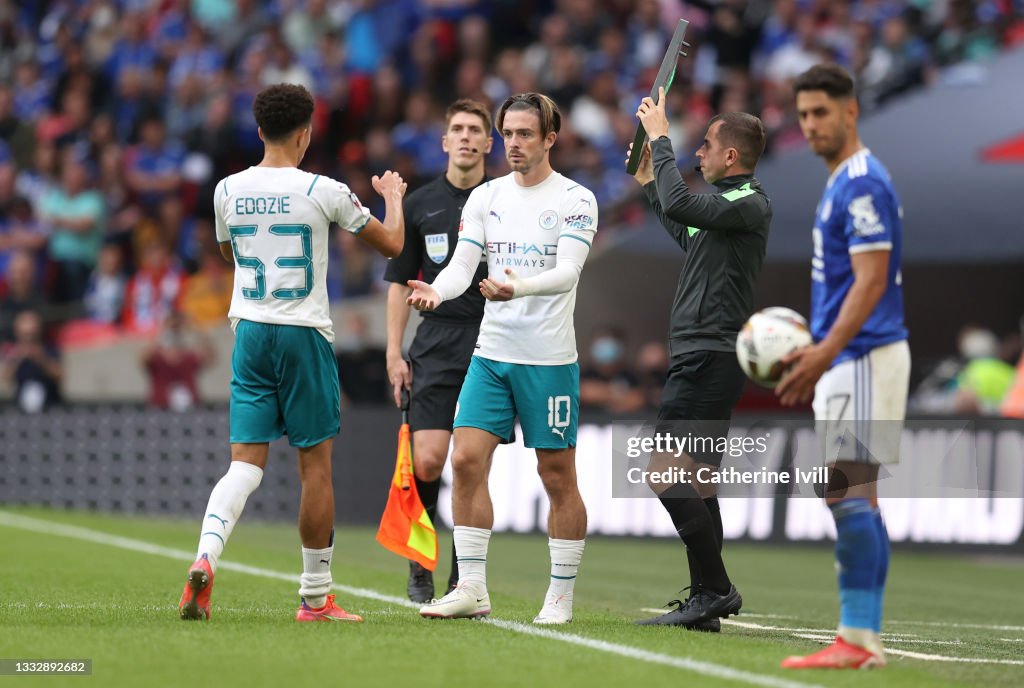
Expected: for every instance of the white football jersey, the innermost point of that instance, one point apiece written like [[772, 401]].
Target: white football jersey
[[276, 219], [519, 227]]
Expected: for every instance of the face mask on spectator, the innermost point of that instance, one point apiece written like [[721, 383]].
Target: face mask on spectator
[[605, 350]]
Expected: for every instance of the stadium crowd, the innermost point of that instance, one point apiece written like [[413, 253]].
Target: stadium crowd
[[118, 117]]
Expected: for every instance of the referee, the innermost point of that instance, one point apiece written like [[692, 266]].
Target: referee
[[444, 342], [723, 235]]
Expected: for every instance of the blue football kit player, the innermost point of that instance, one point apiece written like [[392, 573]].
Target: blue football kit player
[[858, 369]]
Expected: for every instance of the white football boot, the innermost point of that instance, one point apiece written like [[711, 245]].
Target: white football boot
[[557, 610], [464, 602]]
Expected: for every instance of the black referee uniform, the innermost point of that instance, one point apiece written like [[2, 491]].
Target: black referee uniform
[[443, 346], [723, 235]]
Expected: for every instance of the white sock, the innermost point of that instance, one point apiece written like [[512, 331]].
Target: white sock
[[471, 551], [315, 582], [225, 508], [565, 562]]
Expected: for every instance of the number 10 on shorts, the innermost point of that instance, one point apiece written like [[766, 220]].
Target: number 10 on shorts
[[559, 410]]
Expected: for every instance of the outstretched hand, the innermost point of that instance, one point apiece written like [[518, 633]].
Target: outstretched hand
[[424, 297]]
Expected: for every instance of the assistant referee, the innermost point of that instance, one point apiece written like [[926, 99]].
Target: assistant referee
[[444, 342], [723, 235]]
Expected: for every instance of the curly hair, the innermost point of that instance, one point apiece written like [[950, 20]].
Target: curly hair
[[281, 109]]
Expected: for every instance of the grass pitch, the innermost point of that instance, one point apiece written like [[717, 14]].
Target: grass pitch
[[76, 585]]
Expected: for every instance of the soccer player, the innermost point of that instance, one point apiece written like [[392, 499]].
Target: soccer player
[[858, 369], [272, 221], [723, 235], [536, 227], [444, 342]]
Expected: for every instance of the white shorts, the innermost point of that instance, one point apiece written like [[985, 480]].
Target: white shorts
[[860, 406]]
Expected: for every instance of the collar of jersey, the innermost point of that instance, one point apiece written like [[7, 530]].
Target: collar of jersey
[[842, 166], [733, 181], [462, 192]]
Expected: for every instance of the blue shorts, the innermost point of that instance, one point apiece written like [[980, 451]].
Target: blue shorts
[[284, 380], [546, 399]]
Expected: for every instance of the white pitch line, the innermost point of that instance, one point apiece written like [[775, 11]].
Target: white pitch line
[[943, 624], [830, 638], [830, 633], [696, 666], [960, 660]]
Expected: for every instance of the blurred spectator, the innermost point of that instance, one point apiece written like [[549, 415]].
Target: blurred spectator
[[104, 296], [173, 363], [206, 295], [75, 214], [418, 134], [985, 380], [973, 383], [1013, 402], [20, 231], [799, 54], [154, 292], [606, 382], [14, 131], [282, 67], [196, 58], [153, 167], [32, 366], [362, 366], [652, 364], [132, 50], [963, 36], [31, 91], [897, 64], [250, 19], [305, 24], [360, 269], [40, 177], [18, 292]]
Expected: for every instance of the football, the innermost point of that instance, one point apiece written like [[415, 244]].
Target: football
[[765, 340]]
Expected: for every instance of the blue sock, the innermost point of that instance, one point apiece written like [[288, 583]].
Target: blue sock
[[883, 566], [858, 552]]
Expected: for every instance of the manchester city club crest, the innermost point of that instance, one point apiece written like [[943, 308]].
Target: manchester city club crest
[[437, 247], [548, 219]]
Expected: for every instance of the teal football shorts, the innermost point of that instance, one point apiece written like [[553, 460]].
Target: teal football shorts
[[545, 398], [284, 381]]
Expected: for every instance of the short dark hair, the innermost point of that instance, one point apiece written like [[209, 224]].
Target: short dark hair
[[473, 107], [828, 77], [281, 109], [741, 131], [547, 111]]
